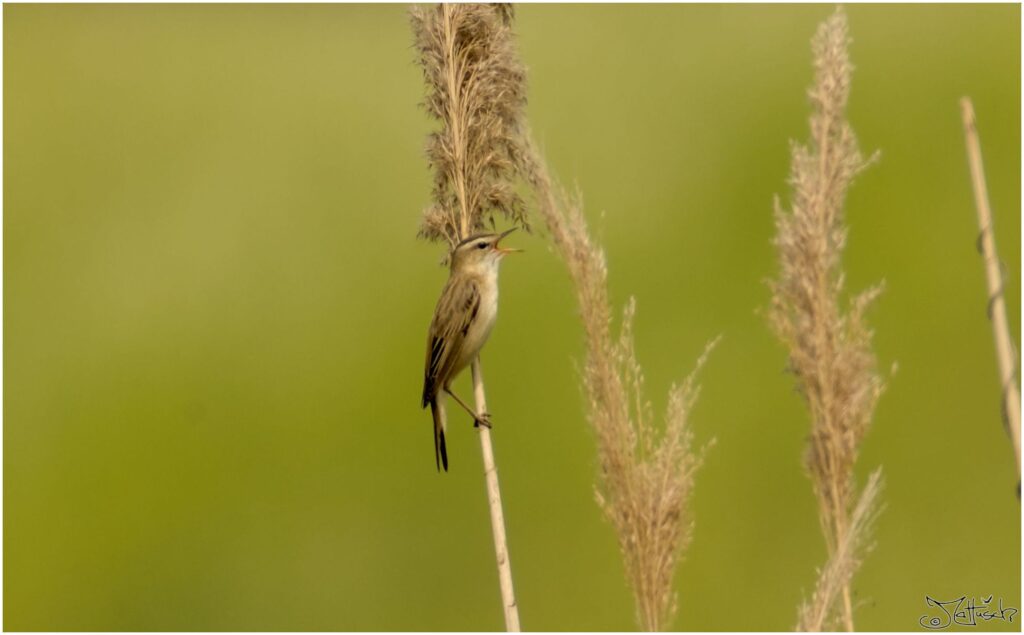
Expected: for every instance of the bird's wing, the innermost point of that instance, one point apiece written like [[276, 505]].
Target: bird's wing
[[456, 310]]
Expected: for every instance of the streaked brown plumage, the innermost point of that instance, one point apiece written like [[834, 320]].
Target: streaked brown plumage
[[463, 320]]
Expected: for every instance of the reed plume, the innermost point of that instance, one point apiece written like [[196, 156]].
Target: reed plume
[[829, 347], [476, 89], [1006, 355], [646, 475]]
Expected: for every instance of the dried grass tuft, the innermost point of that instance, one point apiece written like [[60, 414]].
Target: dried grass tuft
[[476, 89], [829, 348], [646, 472]]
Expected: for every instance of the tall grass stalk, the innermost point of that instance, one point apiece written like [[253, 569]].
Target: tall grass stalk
[[1005, 351], [829, 346], [646, 472], [476, 89]]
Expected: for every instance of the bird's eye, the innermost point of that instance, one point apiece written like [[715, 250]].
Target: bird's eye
[[482, 246]]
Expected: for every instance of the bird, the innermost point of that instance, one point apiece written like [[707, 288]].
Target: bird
[[463, 319]]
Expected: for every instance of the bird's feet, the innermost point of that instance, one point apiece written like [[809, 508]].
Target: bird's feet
[[482, 419]]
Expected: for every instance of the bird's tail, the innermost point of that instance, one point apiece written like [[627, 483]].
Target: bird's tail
[[440, 452]]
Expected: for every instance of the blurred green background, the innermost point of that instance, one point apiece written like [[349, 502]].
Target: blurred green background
[[216, 306]]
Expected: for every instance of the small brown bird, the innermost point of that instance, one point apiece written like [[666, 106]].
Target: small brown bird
[[462, 322]]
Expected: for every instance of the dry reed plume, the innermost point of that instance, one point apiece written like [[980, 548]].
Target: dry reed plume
[[1005, 350], [829, 347], [646, 477], [476, 90]]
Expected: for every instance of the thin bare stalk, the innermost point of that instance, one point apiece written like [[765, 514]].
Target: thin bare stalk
[[843, 563], [508, 596], [476, 90], [1005, 352], [829, 345]]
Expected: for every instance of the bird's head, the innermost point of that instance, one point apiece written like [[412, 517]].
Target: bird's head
[[480, 253]]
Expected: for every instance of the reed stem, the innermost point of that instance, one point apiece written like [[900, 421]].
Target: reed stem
[[476, 89], [508, 596], [994, 278]]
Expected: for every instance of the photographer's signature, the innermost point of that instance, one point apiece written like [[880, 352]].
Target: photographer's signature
[[963, 611]]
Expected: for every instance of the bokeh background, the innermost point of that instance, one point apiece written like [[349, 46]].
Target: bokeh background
[[215, 309]]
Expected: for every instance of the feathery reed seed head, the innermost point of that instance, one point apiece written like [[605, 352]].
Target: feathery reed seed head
[[476, 89], [829, 348], [646, 474]]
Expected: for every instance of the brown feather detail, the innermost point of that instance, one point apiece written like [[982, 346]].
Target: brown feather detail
[[456, 309]]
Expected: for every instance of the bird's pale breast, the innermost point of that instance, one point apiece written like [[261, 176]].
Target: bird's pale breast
[[481, 327]]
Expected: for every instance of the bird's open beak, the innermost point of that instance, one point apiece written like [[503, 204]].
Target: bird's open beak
[[504, 251]]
